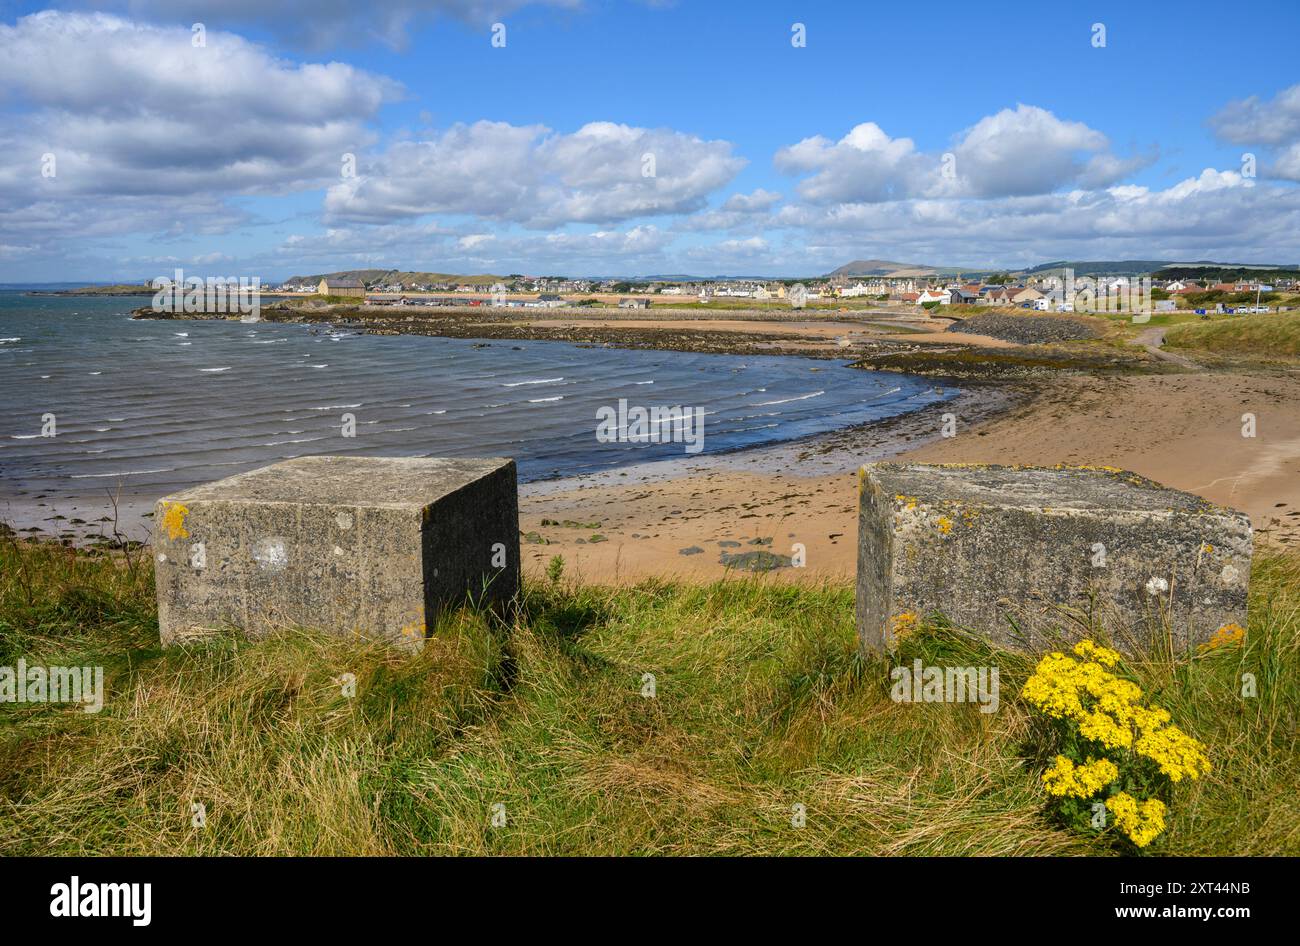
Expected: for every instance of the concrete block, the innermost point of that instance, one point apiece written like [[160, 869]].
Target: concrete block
[[355, 546], [1013, 552]]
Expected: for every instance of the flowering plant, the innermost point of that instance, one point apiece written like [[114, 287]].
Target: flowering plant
[[1116, 758]]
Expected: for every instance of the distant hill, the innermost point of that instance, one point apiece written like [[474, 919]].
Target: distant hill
[[1128, 267], [686, 277], [400, 275], [1224, 272], [1125, 267], [1165, 268], [881, 267]]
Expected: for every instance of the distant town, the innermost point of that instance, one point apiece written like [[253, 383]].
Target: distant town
[[1049, 290]]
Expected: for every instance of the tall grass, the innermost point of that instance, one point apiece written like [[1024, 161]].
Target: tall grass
[[1266, 335], [760, 703]]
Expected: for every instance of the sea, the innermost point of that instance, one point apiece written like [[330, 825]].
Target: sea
[[97, 406]]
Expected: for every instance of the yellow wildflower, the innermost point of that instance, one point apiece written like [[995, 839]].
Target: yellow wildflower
[[1054, 689], [1067, 780], [1142, 823], [1102, 655], [1103, 728], [1177, 754]]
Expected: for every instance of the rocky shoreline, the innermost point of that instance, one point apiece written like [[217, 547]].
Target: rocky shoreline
[[865, 339]]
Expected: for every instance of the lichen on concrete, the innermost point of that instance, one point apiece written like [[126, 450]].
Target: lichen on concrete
[[357, 546], [1033, 556]]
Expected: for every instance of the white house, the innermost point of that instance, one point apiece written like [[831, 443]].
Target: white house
[[941, 296]]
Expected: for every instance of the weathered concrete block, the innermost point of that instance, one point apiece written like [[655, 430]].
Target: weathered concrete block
[[1013, 553], [357, 546]]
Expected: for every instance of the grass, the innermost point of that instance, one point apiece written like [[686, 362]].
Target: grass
[[1263, 334], [761, 703]]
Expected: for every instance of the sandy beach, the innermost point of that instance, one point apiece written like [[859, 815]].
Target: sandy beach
[[1183, 430]]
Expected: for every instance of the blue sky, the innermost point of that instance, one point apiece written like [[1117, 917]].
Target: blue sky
[[983, 135]]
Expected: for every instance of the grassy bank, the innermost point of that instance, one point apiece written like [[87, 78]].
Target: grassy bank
[[761, 704], [1264, 335]]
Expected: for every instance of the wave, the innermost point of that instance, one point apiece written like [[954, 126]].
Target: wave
[[801, 397], [515, 384], [98, 476]]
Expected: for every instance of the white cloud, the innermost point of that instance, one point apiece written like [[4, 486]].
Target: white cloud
[[1287, 165], [418, 245], [864, 165], [1272, 125], [1015, 152], [138, 109], [1254, 123], [1027, 150], [756, 202], [325, 22], [1214, 215], [144, 132], [537, 177]]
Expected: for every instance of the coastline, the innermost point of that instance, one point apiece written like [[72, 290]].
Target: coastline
[[118, 511], [89, 517], [703, 517]]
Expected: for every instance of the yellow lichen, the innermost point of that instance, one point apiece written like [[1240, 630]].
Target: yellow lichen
[[904, 624], [174, 521], [1232, 633]]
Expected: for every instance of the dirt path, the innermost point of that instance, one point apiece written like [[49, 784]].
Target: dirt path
[[1153, 340]]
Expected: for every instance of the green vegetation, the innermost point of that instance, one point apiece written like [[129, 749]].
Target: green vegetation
[[1263, 334], [1199, 300], [120, 289], [1216, 273], [760, 703]]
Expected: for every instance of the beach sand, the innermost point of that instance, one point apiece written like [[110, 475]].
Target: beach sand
[[1182, 430]]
